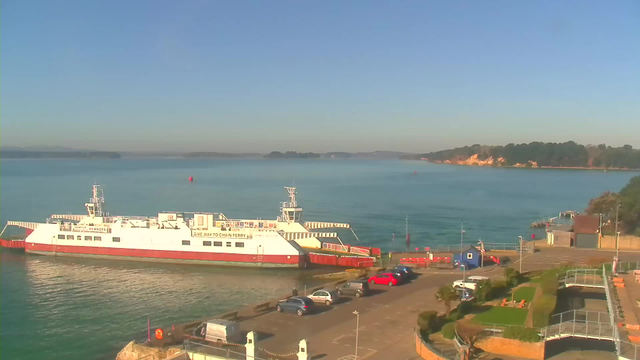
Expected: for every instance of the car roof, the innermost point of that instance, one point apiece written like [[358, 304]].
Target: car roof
[[477, 277]]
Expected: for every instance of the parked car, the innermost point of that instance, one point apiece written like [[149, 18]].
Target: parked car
[[390, 279], [219, 330], [405, 269], [470, 283], [327, 297], [403, 276], [298, 304], [356, 288]]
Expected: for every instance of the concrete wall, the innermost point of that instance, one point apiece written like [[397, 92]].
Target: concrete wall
[[510, 347], [626, 242], [423, 350]]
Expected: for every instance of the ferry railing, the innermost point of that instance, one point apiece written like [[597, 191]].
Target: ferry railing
[[224, 351]]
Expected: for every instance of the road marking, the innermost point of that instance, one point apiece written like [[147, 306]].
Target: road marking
[[335, 340]]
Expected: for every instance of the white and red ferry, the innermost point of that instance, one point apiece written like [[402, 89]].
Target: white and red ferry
[[196, 237]]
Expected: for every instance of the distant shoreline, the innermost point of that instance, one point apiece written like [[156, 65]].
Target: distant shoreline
[[531, 167]]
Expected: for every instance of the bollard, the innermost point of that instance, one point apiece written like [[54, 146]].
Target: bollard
[[251, 345], [303, 350]]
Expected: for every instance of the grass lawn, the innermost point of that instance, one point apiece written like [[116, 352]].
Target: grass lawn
[[525, 292], [502, 315]]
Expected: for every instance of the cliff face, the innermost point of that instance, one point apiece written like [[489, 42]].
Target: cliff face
[[476, 161]]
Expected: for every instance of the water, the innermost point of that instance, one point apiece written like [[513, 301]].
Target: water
[[58, 308]]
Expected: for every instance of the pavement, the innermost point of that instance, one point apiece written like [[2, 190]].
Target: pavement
[[387, 318], [386, 323]]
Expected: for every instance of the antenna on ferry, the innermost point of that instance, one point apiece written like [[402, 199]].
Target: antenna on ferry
[[95, 204]]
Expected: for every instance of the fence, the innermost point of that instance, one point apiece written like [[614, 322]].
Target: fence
[[227, 352]]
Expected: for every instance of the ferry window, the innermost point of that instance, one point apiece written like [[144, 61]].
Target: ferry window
[[79, 237], [239, 244], [116, 239], [97, 238], [186, 242], [217, 243], [61, 237], [228, 243], [87, 238], [70, 237], [200, 221], [206, 243]]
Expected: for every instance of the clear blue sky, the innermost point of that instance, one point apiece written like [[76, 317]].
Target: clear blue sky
[[318, 76]]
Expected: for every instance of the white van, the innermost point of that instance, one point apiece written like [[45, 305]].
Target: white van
[[219, 330]]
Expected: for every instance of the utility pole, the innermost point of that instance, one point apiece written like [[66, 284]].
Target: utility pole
[[464, 269], [617, 233], [520, 254]]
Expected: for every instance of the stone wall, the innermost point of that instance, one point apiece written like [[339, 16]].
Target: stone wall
[[626, 242], [424, 351], [510, 347]]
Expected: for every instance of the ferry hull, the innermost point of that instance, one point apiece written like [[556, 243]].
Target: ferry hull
[[168, 256]]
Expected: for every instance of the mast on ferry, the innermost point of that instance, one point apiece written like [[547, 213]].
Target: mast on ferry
[[289, 211], [95, 204]]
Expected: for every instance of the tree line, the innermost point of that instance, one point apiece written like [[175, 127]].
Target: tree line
[[627, 202], [567, 154]]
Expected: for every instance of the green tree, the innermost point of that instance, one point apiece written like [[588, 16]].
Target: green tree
[[446, 294], [511, 276], [428, 321], [483, 290]]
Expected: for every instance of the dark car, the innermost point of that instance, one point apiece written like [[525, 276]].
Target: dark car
[[298, 304], [403, 276], [356, 288], [405, 269]]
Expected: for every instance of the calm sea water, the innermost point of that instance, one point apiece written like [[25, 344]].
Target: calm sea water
[[58, 308]]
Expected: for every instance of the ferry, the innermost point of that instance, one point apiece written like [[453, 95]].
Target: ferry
[[191, 237]]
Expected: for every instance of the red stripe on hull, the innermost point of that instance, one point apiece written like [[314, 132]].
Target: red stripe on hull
[[282, 260], [14, 244]]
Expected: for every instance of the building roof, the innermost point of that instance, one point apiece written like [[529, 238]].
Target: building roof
[[586, 224]]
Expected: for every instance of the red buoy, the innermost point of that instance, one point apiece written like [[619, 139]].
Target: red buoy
[[159, 334], [190, 178]]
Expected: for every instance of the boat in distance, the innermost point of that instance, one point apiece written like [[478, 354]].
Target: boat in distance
[[189, 237]]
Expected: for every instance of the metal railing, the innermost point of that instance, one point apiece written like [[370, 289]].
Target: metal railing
[[446, 352], [227, 352], [582, 277]]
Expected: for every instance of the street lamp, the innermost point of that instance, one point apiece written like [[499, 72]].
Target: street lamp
[[520, 253], [357, 314], [616, 231]]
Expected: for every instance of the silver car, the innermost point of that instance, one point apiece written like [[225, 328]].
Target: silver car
[[327, 297]]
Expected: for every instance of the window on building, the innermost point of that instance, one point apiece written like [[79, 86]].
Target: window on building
[[217, 243], [206, 243], [239, 244], [228, 243], [88, 238], [200, 220], [97, 238], [116, 239], [70, 237], [469, 256], [186, 242], [61, 237], [79, 237]]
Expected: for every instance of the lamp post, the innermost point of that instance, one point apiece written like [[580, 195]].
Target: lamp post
[[520, 237], [617, 232], [357, 314], [464, 269]]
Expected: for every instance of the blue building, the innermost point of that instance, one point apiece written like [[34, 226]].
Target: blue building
[[470, 258]]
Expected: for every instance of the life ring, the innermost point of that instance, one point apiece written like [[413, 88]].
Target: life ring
[[159, 334]]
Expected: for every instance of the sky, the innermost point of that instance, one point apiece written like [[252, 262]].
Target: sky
[[258, 76]]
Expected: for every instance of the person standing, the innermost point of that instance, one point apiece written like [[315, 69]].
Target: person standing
[[294, 292]]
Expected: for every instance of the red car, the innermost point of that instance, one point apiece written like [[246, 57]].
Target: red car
[[385, 279]]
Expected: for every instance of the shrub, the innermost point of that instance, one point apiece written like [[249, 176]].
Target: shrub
[[428, 321], [542, 309], [512, 276], [521, 333], [449, 330], [483, 290], [464, 308], [497, 289]]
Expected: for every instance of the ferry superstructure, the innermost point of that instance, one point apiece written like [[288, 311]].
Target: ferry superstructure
[[195, 237]]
